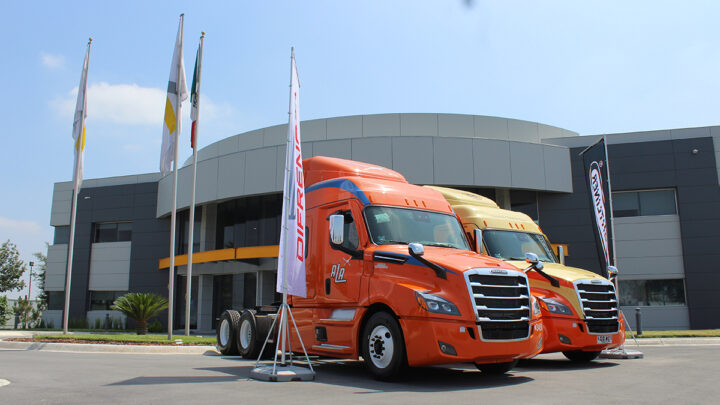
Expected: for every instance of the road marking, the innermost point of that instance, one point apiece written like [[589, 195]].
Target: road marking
[[4, 382]]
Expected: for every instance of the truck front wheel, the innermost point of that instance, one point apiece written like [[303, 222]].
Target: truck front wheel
[[580, 356], [383, 346], [496, 368], [227, 331]]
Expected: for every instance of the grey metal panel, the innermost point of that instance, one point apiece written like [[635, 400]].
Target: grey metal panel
[[648, 247], [659, 318], [275, 135], [418, 124], [453, 161], [651, 267], [120, 180], [647, 227], [524, 131], [491, 162], [573, 141], [373, 150], [228, 145], [183, 187], [250, 140], [206, 187], [261, 179], [110, 266], [344, 127], [61, 204], [456, 125], [558, 175], [413, 158], [207, 152], [527, 165], [640, 136], [56, 266], [314, 130], [381, 125], [684, 133], [340, 148], [491, 128], [231, 175], [547, 131], [280, 155], [164, 196]]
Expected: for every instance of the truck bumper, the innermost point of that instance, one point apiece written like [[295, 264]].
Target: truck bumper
[[568, 334], [431, 342]]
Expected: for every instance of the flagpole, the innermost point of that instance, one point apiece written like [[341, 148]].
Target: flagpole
[[79, 145], [171, 270], [188, 284]]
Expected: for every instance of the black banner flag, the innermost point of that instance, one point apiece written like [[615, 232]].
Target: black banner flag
[[597, 178]]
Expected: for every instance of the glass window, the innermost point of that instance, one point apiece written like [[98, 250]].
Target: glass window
[[390, 225], [103, 300], [124, 231], [645, 202], [652, 292], [511, 245], [112, 232], [350, 234]]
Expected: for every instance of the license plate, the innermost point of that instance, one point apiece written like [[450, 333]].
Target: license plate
[[604, 339]]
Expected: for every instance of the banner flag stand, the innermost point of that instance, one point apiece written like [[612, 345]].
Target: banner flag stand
[[596, 166], [290, 260]]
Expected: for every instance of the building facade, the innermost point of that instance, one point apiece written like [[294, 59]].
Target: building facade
[[665, 190]]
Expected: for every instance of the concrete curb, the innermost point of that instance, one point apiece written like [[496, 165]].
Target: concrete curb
[[107, 348], [673, 341]]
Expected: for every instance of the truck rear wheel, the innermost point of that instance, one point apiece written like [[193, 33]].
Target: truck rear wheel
[[496, 368], [580, 356], [248, 341], [227, 331], [383, 346]]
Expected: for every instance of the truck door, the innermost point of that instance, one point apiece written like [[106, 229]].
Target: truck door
[[341, 271]]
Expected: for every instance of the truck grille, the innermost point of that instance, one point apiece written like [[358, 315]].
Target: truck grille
[[501, 299], [599, 304]]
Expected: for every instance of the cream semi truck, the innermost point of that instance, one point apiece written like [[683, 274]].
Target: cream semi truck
[[580, 309]]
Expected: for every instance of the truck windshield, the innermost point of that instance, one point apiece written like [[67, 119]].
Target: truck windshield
[[390, 225], [511, 245]]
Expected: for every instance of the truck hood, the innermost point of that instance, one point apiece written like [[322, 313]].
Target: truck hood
[[450, 258], [557, 270]]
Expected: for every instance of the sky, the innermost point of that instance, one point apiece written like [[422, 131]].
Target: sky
[[592, 67]]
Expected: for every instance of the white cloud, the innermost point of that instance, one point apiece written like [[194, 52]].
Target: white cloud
[[130, 104], [52, 61], [12, 226]]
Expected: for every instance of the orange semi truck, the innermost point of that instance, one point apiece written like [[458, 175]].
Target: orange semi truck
[[580, 312], [391, 278]]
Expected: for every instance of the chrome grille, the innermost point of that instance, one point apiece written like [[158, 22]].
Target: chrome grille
[[599, 305], [501, 299]]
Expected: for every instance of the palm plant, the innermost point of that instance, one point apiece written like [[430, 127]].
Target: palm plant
[[140, 307]]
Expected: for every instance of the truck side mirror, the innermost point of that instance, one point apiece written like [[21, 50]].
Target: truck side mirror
[[612, 273], [478, 240], [337, 223], [416, 249], [534, 261]]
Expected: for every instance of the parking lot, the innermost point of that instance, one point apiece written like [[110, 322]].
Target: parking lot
[[667, 374]]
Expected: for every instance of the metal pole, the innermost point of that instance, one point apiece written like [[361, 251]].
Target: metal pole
[[171, 270], [30, 283], [638, 321], [188, 284]]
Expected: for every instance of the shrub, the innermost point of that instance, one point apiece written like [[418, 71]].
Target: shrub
[[155, 326]]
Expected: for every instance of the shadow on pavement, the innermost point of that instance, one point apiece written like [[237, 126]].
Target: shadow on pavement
[[561, 365]]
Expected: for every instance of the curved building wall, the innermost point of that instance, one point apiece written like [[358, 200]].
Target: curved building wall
[[444, 149]]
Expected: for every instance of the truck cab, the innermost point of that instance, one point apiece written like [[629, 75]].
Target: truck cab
[[580, 310], [391, 278]]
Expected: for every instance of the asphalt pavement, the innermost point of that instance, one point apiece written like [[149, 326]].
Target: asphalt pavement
[[677, 373]]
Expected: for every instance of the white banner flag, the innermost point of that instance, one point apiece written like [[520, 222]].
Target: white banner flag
[[177, 92], [291, 260], [79, 121]]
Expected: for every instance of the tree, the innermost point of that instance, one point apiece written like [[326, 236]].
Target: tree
[[140, 307], [11, 268], [39, 277], [5, 310], [24, 310]]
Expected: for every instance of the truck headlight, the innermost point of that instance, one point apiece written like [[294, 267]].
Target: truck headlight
[[433, 303], [535, 306], [555, 307]]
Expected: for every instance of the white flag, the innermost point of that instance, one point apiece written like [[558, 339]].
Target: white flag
[[177, 92], [291, 260], [79, 122]]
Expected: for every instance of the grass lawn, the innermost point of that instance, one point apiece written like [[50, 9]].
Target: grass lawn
[[156, 339], [676, 333]]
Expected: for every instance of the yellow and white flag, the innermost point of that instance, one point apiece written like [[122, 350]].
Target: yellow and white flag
[[177, 92], [79, 121]]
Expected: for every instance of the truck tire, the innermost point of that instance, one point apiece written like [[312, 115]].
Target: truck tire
[[580, 356], [383, 346], [496, 368], [249, 342], [227, 331]]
